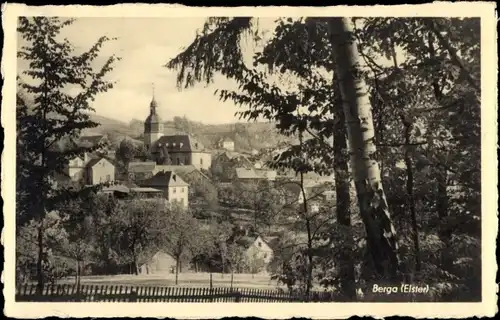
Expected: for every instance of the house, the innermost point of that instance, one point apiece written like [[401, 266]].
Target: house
[[259, 253], [90, 169], [124, 191], [318, 192], [266, 174], [182, 150], [116, 190], [99, 170], [76, 168], [177, 149], [139, 171], [226, 144], [174, 189], [146, 193], [225, 163], [160, 263]]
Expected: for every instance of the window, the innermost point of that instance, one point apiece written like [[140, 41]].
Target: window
[[201, 161], [178, 161], [174, 190], [182, 201], [265, 255], [259, 244], [108, 178], [182, 190]]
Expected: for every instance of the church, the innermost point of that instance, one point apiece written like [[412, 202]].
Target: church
[[180, 149]]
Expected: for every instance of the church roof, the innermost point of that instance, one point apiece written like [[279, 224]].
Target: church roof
[[180, 143], [153, 118]]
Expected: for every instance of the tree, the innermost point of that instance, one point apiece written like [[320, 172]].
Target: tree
[[164, 156], [50, 115], [360, 132], [255, 263], [78, 245], [407, 96], [139, 226], [426, 84], [125, 153], [219, 233], [54, 237], [235, 258], [269, 101], [181, 235]]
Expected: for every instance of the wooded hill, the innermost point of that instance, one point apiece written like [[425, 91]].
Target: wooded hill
[[247, 136]]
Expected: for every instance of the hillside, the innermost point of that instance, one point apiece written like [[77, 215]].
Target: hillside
[[247, 136]]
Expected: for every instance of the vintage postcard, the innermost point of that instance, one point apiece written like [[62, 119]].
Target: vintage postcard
[[209, 162]]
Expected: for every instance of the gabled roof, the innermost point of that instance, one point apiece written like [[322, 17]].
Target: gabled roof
[[94, 161], [266, 174], [183, 170], [145, 189], [116, 187], [246, 241], [231, 154], [130, 184], [176, 168], [164, 179], [245, 173], [141, 166], [179, 143], [272, 242]]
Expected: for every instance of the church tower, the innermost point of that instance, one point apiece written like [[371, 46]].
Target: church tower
[[153, 126]]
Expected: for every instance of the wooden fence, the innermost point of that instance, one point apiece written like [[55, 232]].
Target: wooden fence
[[105, 293]]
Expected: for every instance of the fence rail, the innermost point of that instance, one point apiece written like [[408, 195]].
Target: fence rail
[[107, 293]]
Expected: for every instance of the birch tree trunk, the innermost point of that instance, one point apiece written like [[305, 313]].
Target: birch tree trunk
[[381, 235]]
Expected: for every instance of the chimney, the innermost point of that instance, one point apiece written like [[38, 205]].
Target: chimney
[[85, 158]]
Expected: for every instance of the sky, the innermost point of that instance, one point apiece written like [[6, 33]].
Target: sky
[[145, 45]]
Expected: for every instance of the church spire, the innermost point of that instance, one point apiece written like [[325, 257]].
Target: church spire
[[153, 104]]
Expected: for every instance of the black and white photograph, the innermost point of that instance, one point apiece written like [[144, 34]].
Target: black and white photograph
[[240, 158]]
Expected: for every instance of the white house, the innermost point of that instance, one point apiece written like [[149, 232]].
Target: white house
[[100, 170], [260, 253], [226, 144], [91, 170], [160, 263]]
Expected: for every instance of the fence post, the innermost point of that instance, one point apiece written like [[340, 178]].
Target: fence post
[[133, 294]]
